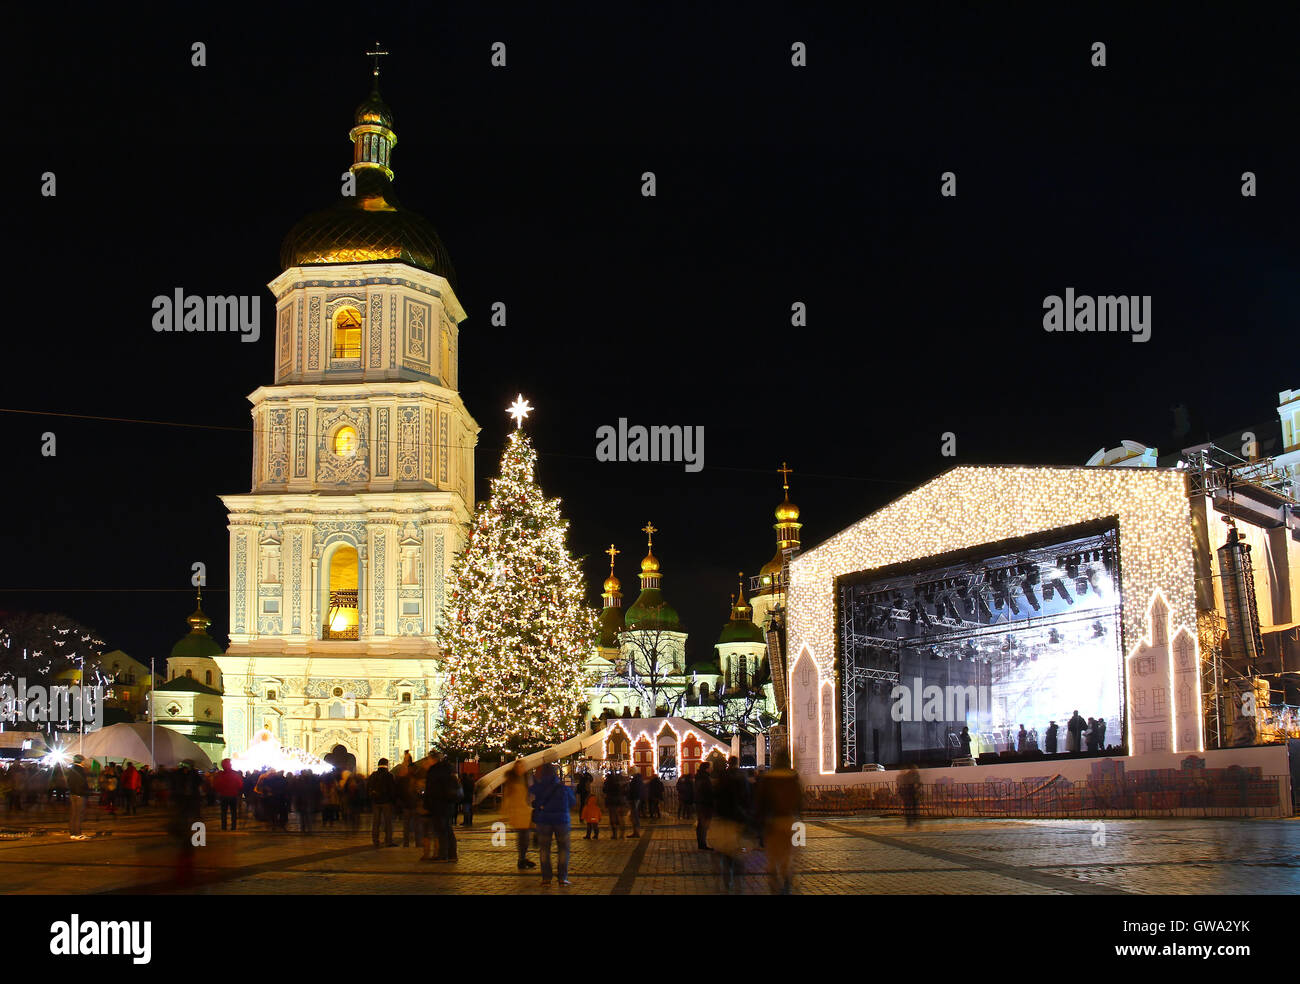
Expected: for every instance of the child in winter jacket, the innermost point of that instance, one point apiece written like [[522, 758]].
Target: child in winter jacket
[[591, 815]]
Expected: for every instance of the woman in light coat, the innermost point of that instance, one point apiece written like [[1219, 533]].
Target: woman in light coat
[[519, 811]]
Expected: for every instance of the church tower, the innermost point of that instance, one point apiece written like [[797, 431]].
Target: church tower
[[769, 587], [362, 478]]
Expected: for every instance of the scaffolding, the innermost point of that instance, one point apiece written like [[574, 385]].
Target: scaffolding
[[1222, 477]]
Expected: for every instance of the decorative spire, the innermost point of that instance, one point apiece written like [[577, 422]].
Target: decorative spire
[[373, 138], [376, 54], [199, 622], [741, 611], [650, 566], [613, 593], [787, 515]]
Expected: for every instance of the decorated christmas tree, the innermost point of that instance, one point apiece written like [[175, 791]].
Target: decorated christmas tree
[[517, 630]]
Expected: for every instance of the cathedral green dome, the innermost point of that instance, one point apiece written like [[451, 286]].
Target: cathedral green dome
[[740, 632], [198, 644], [651, 611], [611, 624]]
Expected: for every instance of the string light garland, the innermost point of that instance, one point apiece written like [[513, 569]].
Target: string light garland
[[970, 506], [518, 631]]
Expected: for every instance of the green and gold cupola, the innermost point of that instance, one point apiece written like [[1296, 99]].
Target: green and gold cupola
[[651, 610], [741, 627], [611, 613]]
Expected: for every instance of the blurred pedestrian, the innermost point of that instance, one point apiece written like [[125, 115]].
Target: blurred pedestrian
[[703, 806], [590, 815], [778, 806], [383, 797], [78, 789], [518, 811], [909, 791], [552, 805], [228, 784]]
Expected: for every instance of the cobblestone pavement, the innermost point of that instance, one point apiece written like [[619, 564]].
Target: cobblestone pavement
[[842, 856]]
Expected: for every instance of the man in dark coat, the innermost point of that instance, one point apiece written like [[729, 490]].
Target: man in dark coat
[[685, 797], [1049, 740], [703, 806], [1075, 727], [634, 787], [656, 795], [441, 792], [383, 796]]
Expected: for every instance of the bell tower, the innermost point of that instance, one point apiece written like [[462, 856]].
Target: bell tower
[[362, 477]]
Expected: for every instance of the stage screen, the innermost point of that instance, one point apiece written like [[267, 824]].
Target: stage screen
[[1020, 633]]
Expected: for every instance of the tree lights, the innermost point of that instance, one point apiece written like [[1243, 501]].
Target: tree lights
[[518, 630]]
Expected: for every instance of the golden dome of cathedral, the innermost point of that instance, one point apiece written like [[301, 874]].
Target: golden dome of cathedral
[[787, 512], [368, 226]]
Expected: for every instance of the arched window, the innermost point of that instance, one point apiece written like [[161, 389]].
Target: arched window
[[347, 334], [207, 677], [190, 674], [342, 620], [345, 441]]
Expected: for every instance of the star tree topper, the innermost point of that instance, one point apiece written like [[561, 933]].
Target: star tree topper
[[520, 409]]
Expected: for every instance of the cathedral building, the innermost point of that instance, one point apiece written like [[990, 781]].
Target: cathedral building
[[362, 479], [640, 667]]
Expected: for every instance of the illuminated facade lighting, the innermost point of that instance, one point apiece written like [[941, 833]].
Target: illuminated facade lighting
[[952, 513]]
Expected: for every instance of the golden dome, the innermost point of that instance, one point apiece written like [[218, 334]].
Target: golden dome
[[650, 565], [774, 566], [612, 585], [787, 512]]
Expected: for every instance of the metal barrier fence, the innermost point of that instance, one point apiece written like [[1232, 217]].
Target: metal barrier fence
[[1259, 796]]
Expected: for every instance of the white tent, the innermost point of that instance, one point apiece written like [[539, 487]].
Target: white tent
[[134, 741]]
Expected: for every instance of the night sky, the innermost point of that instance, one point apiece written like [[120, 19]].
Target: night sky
[[776, 184]]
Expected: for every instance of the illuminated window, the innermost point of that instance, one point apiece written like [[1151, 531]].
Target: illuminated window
[[347, 334], [342, 620], [345, 441]]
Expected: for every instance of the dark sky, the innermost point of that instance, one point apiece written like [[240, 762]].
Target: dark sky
[[775, 184]]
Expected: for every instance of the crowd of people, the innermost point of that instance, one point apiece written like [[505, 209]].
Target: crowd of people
[[1081, 734], [428, 799]]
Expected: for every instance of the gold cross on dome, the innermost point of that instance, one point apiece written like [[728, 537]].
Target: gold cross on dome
[[612, 551], [376, 54], [649, 530], [785, 474]]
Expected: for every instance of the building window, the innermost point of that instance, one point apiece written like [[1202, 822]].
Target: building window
[[345, 442], [189, 674], [342, 621], [406, 696], [338, 691], [207, 677], [270, 695], [347, 334]]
